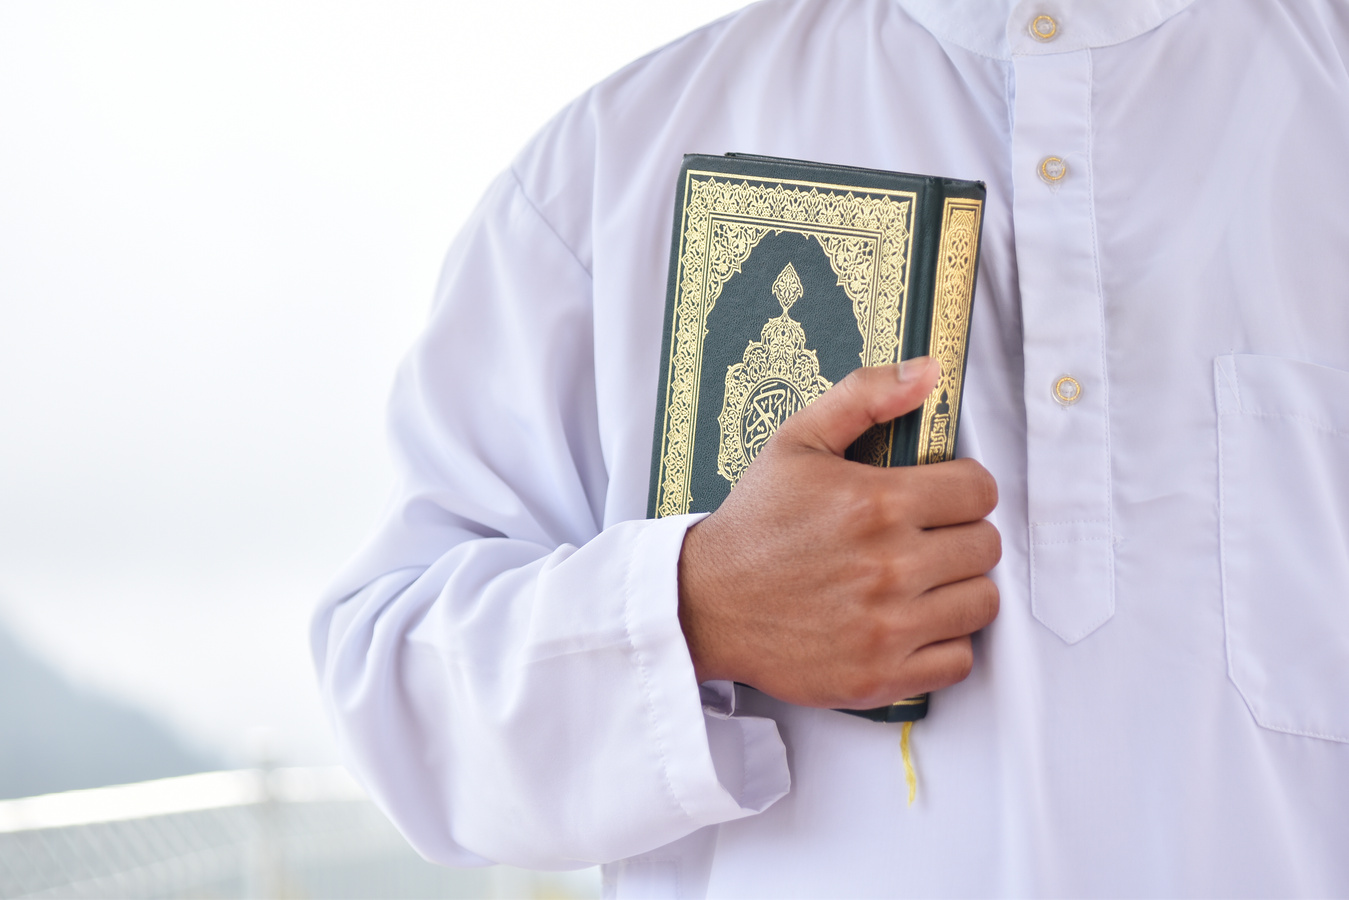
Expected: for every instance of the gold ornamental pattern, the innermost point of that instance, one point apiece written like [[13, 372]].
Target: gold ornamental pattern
[[776, 376], [867, 235], [953, 294]]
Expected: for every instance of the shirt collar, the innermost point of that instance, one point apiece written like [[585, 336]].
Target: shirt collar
[[985, 27]]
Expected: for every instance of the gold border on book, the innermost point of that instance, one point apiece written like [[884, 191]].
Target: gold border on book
[[867, 234], [953, 294]]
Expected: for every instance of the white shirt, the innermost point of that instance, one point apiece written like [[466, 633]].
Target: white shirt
[[1162, 706]]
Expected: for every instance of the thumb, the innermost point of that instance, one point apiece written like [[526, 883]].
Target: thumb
[[867, 396]]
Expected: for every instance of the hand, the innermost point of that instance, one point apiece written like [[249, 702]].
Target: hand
[[826, 582]]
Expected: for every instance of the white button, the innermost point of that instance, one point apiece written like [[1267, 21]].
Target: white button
[[1043, 28], [1052, 169], [1067, 391]]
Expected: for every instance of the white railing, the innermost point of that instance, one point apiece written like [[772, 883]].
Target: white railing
[[276, 833]]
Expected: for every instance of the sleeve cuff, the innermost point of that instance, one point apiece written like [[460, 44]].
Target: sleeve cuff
[[719, 766]]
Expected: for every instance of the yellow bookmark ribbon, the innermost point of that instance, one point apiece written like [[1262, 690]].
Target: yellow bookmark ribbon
[[910, 775]]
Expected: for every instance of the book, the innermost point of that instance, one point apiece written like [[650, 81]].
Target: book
[[785, 276]]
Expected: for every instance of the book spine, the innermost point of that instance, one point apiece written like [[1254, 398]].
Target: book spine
[[918, 316], [938, 325], [948, 326]]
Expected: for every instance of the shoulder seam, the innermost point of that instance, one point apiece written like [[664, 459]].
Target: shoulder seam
[[520, 185]]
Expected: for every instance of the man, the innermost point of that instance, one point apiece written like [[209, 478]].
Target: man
[[1158, 385]]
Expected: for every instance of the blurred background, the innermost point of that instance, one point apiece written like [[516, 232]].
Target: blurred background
[[220, 226]]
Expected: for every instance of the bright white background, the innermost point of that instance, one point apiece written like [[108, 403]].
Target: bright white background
[[220, 225]]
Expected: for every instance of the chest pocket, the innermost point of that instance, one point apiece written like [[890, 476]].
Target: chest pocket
[[1283, 459]]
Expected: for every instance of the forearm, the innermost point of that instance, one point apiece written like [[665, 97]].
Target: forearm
[[515, 704]]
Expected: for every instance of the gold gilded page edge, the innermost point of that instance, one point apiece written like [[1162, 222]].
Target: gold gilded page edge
[[953, 294], [695, 297], [673, 315], [670, 374]]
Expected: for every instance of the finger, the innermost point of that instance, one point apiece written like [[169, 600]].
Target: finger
[[866, 397], [951, 554], [937, 665], [946, 493], [929, 668], [955, 610]]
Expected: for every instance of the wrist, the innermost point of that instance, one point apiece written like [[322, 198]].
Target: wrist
[[696, 601]]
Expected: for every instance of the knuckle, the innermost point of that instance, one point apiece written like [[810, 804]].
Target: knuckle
[[869, 673], [866, 685], [862, 500], [900, 574], [851, 390], [880, 576], [966, 665], [963, 661], [862, 389], [885, 575], [798, 428], [874, 575], [976, 546], [866, 504], [988, 543], [988, 600], [901, 493], [975, 604], [850, 381], [979, 485], [876, 645], [862, 682], [986, 490]]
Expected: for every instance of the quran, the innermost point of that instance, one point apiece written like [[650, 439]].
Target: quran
[[784, 277]]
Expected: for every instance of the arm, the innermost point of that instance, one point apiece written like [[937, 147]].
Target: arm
[[509, 681], [512, 683]]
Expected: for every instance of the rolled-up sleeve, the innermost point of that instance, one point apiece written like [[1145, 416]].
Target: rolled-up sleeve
[[506, 676]]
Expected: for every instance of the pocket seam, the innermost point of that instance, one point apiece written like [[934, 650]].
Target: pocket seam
[[1305, 419], [1234, 385]]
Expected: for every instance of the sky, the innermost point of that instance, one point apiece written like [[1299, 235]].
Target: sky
[[220, 226]]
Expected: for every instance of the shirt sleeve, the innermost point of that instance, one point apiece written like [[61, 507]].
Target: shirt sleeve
[[507, 678]]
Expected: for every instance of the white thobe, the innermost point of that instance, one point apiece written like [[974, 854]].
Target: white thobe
[[1162, 706]]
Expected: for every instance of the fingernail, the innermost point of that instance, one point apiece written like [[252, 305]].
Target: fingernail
[[910, 369]]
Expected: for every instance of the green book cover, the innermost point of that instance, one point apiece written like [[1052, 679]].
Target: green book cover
[[784, 277]]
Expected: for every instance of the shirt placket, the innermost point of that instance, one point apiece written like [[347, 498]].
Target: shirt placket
[[1068, 477]]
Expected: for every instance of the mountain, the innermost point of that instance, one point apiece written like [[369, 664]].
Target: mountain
[[57, 736]]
